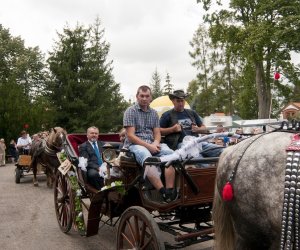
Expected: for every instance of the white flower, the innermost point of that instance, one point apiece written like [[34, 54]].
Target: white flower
[[104, 188], [113, 184], [80, 215], [78, 192], [71, 173]]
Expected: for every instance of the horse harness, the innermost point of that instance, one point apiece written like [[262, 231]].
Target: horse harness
[[290, 210], [51, 149]]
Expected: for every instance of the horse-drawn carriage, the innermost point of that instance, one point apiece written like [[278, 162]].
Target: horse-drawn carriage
[[22, 167], [132, 203]]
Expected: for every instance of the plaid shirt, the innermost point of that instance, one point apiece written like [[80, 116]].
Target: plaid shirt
[[143, 121]]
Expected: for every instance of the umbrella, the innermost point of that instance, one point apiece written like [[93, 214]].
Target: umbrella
[[163, 103]]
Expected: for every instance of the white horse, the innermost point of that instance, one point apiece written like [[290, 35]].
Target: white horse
[[252, 218]]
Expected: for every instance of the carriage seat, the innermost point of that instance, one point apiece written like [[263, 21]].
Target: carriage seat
[[73, 142]]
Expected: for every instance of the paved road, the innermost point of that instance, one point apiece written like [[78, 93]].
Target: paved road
[[28, 220]]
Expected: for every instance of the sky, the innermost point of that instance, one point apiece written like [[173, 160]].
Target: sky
[[144, 35]]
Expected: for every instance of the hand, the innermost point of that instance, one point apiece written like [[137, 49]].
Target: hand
[[153, 148], [156, 143], [176, 128], [195, 128]]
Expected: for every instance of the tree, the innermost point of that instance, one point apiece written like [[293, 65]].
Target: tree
[[22, 82], [168, 87], [83, 90], [216, 73], [155, 85], [262, 33]]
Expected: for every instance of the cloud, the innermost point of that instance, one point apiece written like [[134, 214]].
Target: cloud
[[144, 35]]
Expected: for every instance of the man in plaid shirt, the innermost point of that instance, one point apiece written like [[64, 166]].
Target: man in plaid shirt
[[143, 139]]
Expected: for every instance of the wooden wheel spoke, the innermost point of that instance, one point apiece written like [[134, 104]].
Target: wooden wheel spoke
[[136, 227], [59, 191], [138, 230], [147, 243], [143, 233], [131, 230], [59, 206], [63, 202], [124, 236]]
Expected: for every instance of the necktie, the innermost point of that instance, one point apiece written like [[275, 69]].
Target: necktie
[[97, 153]]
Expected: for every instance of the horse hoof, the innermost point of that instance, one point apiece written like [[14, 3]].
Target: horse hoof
[[35, 184]]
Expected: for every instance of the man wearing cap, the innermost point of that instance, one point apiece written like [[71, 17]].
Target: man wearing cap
[[179, 122]]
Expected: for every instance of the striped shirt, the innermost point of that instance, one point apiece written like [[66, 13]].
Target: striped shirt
[[143, 121]]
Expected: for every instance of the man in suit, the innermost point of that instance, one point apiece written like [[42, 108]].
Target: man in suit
[[91, 150]]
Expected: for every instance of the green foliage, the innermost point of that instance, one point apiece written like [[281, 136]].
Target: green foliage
[[79, 222], [261, 34], [83, 90], [22, 87]]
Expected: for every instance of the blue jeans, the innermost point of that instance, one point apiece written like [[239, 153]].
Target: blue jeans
[[213, 150], [141, 153]]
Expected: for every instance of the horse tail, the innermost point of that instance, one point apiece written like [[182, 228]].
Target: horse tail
[[223, 226]]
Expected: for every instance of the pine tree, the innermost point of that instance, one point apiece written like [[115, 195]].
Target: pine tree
[[168, 87], [84, 91], [155, 85]]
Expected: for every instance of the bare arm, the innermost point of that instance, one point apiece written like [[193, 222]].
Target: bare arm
[[200, 129], [157, 136]]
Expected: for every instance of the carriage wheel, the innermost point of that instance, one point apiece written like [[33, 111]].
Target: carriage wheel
[[18, 174], [138, 230], [63, 200]]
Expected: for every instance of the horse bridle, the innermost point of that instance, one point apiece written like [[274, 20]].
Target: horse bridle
[[49, 146]]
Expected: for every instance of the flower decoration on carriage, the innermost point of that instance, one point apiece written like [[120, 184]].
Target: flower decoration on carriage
[[62, 155], [79, 222], [118, 185]]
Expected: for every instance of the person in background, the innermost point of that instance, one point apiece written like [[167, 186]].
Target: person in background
[[2, 152], [12, 151], [24, 143], [90, 153]]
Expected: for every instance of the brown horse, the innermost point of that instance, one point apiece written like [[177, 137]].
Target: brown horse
[[251, 220], [44, 153]]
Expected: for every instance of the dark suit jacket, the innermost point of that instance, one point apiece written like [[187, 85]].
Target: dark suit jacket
[[87, 151]]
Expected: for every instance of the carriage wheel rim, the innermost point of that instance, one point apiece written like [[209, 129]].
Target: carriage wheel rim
[[63, 202], [138, 230]]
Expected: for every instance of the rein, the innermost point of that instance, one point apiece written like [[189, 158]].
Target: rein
[[227, 193]]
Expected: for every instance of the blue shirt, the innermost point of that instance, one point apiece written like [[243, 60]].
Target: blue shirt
[[143, 121]]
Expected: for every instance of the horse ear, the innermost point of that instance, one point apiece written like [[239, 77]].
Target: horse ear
[[54, 129]]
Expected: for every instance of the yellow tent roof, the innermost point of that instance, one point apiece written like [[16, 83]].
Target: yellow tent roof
[[163, 103]]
